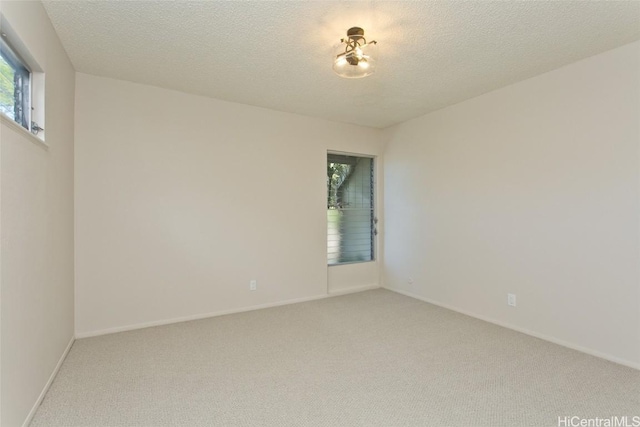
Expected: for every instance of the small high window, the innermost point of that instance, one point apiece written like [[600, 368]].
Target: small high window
[[14, 86]]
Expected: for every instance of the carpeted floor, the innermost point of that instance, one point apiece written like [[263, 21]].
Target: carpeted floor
[[374, 358]]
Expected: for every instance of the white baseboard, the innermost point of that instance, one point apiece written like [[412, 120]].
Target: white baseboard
[[551, 339], [217, 313], [27, 421]]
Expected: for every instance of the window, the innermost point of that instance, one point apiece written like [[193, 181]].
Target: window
[[350, 210], [14, 86]]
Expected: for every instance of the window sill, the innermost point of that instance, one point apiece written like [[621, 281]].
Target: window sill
[[350, 263], [22, 131]]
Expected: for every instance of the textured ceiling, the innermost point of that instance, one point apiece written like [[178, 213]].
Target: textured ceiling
[[278, 54]]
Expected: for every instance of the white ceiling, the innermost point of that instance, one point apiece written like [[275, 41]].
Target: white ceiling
[[278, 54]]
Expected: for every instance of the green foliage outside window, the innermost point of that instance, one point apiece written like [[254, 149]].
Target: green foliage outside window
[[6, 88], [337, 174]]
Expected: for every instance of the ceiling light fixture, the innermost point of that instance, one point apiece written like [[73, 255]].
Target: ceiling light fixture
[[356, 57]]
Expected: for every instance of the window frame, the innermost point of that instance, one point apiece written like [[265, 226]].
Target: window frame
[[374, 206]]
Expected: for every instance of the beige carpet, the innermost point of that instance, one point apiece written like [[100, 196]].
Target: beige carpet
[[374, 358]]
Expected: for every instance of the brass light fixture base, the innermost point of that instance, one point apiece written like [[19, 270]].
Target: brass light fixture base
[[355, 33]]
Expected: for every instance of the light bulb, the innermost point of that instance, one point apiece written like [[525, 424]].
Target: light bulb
[[363, 64], [341, 62]]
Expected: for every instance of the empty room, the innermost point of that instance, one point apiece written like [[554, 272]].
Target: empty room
[[319, 213]]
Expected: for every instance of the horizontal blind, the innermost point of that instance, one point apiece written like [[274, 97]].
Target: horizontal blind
[[350, 215]]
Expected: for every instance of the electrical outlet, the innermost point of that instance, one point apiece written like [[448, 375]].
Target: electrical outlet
[[410, 280], [511, 300], [253, 285]]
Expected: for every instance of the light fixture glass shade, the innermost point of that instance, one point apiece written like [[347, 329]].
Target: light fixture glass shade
[[355, 57]]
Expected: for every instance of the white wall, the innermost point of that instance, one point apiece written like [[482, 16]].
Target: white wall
[[532, 189], [181, 200], [37, 227]]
